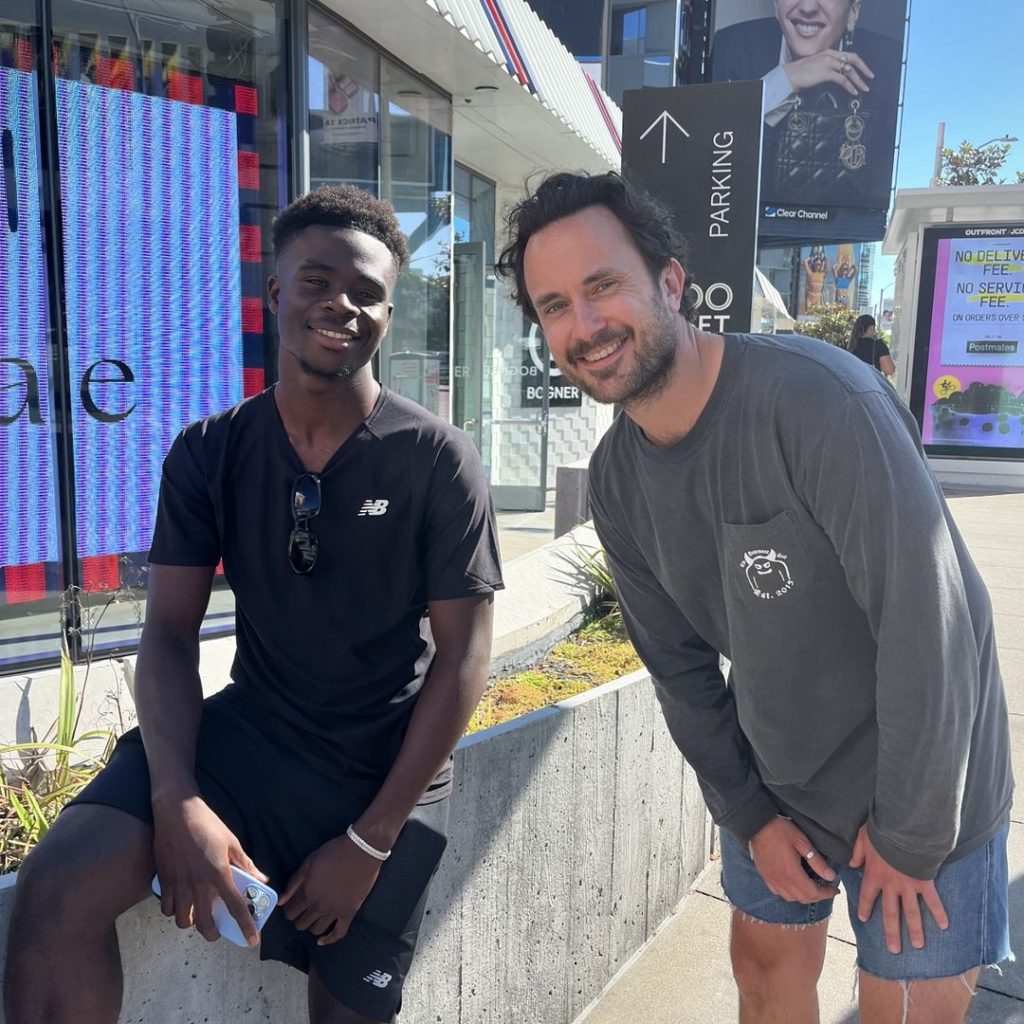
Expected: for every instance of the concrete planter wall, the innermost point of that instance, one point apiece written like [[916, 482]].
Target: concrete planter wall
[[575, 832]]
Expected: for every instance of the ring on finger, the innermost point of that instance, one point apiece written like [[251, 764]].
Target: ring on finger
[[844, 67], [809, 855]]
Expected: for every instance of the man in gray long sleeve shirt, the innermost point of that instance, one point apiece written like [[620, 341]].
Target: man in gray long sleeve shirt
[[768, 499]]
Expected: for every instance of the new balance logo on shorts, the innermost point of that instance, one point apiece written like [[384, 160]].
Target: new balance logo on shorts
[[374, 507], [378, 978]]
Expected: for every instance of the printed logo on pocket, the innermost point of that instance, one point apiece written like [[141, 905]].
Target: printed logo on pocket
[[767, 574]]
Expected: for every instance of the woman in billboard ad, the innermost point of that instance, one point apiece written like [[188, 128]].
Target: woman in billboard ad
[[831, 70]]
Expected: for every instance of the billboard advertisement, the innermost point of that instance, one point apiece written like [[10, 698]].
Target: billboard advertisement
[[828, 274], [967, 389], [832, 74]]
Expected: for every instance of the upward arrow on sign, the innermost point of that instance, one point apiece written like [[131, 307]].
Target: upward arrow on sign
[[663, 119]]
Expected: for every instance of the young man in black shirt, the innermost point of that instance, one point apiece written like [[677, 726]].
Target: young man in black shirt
[[357, 534]]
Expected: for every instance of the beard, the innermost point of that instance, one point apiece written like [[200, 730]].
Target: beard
[[655, 348]]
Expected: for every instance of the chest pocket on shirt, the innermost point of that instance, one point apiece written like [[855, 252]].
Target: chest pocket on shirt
[[767, 564]]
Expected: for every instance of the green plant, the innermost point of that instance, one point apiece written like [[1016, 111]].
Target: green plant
[[832, 323], [589, 566], [974, 165], [38, 778]]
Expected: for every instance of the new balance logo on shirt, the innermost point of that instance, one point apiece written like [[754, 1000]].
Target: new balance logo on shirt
[[378, 978], [374, 507]]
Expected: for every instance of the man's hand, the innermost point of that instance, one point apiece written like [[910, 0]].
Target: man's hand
[[329, 888], [777, 851], [194, 851], [898, 891]]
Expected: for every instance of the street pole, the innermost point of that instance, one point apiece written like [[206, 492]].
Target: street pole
[[939, 143], [881, 306]]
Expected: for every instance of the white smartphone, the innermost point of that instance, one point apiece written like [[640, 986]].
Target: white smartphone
[[259, 898]]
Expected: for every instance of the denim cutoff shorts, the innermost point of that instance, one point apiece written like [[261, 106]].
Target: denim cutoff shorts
[[974, 890]]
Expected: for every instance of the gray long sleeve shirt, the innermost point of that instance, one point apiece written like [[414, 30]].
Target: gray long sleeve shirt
[[798, 530]]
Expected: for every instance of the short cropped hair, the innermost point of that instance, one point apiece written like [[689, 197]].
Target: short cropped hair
[[647, 220], [343, 206]]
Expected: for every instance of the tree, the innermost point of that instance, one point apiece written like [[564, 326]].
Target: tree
[[970, 165], [834, 324]]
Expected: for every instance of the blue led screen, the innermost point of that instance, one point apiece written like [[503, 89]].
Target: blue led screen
[[149, 190], [28, 508], [153, 299]]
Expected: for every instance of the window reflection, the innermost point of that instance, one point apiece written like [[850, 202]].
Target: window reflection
[[344, 125], [416, 169], [376, 125]]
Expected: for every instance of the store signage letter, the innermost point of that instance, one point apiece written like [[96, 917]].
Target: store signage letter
[[31, 404]]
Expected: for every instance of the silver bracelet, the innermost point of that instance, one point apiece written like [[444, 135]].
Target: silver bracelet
[[363, 845]]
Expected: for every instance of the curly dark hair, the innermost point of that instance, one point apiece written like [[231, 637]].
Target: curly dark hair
[[648, 221], [343, 206]]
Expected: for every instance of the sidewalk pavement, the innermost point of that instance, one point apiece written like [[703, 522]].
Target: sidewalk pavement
[[682, 976], [519, 533]]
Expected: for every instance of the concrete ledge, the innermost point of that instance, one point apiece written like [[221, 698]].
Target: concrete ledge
[[575, 833]]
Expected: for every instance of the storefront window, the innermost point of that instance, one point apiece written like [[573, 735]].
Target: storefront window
[[168, 152], [344, 127], [376, 125], [474, 308], [31, 577], [416, 175]]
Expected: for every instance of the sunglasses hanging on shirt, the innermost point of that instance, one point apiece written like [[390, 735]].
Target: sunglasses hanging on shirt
[[303, 545]]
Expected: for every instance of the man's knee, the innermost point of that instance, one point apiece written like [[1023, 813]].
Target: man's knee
[[87, 870], [768, 957]]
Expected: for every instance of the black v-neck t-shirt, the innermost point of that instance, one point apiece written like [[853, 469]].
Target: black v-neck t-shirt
[[332, 662]]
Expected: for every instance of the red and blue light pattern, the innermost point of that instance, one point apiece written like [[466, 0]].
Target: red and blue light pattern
[[163, 275], [149, 190], [28, 512]]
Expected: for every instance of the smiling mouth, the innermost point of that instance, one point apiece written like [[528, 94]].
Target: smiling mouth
[[603, 352], [807, 29], [334, 335]]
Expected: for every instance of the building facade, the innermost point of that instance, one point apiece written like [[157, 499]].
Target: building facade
[[147, 146]]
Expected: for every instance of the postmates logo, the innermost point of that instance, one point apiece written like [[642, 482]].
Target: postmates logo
[[767, 574]]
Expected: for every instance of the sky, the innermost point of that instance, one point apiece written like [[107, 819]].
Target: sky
[[960, 70]]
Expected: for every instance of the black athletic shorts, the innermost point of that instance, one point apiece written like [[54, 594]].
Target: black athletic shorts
[[282, 810]]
